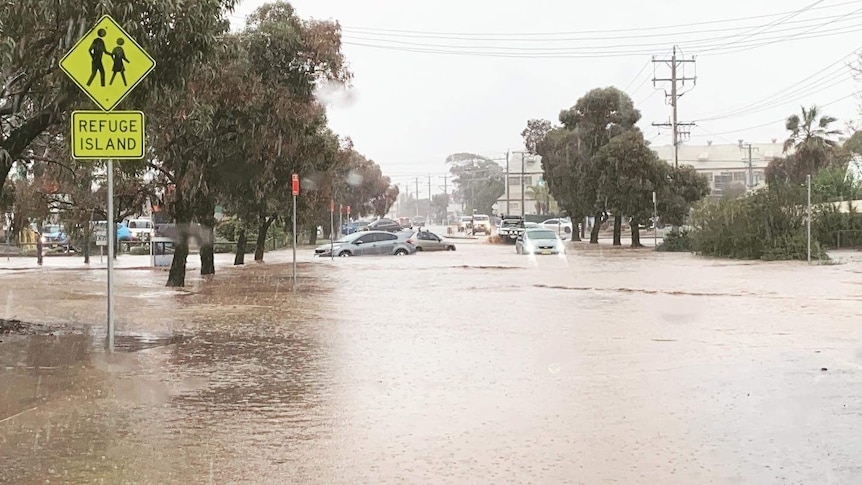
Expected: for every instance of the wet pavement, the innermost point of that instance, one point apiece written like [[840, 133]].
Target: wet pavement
[[478, 366]]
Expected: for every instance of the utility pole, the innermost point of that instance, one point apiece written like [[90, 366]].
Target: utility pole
[[428, 221], [750, 163], [680, 130], [417, 196], [446, 198], [523, 195], [508, 210]]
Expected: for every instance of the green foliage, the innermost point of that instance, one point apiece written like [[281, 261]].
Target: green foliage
[[479, 181], [768, 224], [677, 242]]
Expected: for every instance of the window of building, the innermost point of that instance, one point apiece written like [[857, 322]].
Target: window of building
[[514, 180]]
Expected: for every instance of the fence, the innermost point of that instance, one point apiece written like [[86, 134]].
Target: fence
[[847, 238]]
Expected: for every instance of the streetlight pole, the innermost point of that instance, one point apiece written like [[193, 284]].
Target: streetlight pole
[[808, 179]]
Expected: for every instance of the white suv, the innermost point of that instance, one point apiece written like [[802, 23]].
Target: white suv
[[482, 223]]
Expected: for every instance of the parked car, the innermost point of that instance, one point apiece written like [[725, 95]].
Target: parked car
[[465, 223], [387, 225], [366, 243], [481, 223], [353, 226], [404, 222], [428, 241], [511, 228], [539, 241], [418, 222], [563, 227]]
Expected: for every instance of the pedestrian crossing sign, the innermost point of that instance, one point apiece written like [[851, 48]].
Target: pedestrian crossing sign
[[107, 63]]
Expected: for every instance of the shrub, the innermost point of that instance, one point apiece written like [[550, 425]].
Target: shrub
[[677, 242]]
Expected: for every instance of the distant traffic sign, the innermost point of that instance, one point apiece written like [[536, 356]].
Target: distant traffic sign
[[107, 63], [100, 135], [295, 184]]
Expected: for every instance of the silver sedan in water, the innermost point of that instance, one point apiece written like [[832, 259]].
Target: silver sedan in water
[[366, 243], [539, 241], [428, 241]]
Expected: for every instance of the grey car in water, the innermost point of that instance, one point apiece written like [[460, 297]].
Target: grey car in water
[[366, 243], [539, 241], [428, 241]]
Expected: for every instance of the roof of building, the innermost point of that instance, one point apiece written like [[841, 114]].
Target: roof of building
[[713, 156]]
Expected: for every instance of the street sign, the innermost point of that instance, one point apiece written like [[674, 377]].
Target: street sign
[[295, 184], [101, 240], [107, 63], [107, 134], [331, 205], [348, 210]]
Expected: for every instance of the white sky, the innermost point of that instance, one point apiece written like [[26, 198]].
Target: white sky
[[410, 109]]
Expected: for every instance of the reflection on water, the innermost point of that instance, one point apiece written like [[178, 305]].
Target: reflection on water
[[479, 366]]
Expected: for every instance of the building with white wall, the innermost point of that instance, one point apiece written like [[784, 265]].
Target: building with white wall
[[522, 170]]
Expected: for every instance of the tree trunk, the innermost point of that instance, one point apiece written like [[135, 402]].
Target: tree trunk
[[177, 275], [207, 252], [312, 239], [39, 248], [86, 244], [576, 229], [618, 229], [262, 229], [597, 226], [241, 243], [584, 228], [636, 235]]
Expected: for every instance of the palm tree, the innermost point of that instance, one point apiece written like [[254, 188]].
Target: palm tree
[[542, 196], [809, 132]]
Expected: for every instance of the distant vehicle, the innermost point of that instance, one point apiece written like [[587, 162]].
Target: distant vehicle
[[563, 227], [418, 222], [511, 228], [465, 223], [428, 241], [481, 223], [141, 229], [54, 236], [353, 226], [387, 225], [531, 225], [366, 243], [404, 222], [539, 241]]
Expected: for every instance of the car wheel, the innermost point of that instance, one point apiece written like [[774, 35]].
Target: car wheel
[[401, 252], [450, 248], [419, 248], [344, 254]]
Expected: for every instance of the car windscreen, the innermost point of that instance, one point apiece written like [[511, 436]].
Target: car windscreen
[[541, 235], [511, 222], [481, 218]]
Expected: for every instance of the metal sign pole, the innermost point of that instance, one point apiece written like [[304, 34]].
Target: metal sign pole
[[294, 242], [110, 235], [654, 221]]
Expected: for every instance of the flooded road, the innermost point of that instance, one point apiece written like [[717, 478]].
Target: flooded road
[[478, 366]]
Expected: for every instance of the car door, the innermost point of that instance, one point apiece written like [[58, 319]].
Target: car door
[[385, 244], [433, 242], [365, 245]]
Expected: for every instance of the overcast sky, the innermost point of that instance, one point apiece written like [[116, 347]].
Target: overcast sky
[[756, 63]]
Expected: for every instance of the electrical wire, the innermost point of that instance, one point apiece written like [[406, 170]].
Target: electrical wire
[[579, 54], [771, 24], [790, 90], [735, 20], [705, 44], [781, 120]]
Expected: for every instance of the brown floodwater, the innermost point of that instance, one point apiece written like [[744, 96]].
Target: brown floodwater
[[478, 366]]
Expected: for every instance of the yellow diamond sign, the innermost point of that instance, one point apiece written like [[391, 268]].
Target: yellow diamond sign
[[107, 63]]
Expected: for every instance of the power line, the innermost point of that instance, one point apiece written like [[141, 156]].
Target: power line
[[781, 120], [735, 20], [812, 79], [771, 24], [580, 54], [598, 45]]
